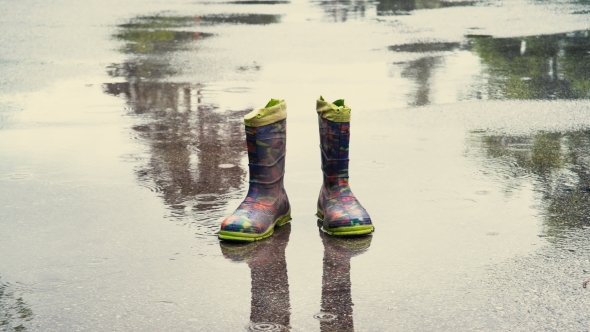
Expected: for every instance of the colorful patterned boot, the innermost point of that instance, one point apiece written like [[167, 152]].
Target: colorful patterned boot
[[341, 213], [266, 205]]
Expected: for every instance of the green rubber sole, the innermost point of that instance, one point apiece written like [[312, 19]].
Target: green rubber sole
[[247, 237], [345, 231]]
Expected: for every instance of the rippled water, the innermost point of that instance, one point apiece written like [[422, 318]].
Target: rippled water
[[15, 313]]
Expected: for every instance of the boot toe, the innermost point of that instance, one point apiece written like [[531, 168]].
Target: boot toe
[[242, 224], [246, 225], [349, 222], [346, 214]]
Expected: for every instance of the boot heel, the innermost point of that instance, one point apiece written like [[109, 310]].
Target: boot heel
[[284, 219], [320, 214]]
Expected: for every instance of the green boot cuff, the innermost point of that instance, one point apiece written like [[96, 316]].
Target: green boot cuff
[[275, 110], [335, 112]]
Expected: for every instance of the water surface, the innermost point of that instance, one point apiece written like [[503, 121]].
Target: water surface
[[122, 149]]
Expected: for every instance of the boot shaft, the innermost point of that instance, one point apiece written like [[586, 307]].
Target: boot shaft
[[266, 152], [334, 146], [334, 125], [266, 141]]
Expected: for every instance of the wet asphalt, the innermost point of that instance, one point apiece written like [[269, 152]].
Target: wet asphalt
[[122, 149]]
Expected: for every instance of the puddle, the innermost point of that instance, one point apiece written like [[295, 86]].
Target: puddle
[[194, 150], [481, 67], [425, 47], [270, 304], [156, 41], [558, 169], [343, 11], [464, 196], [405, 7], [537, 67]]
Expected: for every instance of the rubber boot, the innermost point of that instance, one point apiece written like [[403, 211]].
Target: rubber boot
[[266, 205], [340, 212]]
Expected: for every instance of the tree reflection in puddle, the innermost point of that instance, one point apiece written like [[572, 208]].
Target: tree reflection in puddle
[[526, 289], [538, 67], [343, 10], [405, 7], [421, 71], [556, 163], [195, 149], [167, 23], [195, 154]]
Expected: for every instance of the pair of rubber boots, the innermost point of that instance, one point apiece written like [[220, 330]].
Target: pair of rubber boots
[[266, 205]]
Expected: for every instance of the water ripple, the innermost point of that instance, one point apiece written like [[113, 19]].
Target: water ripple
[[18, 176], [324, 316], [265, 327]]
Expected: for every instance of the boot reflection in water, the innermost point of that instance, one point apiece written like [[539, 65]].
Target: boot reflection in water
[[336, 308], [341, 212], [270, 308], [266, 205]]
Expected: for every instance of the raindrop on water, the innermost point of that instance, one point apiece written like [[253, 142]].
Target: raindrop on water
[[324, 316], [18, 176], [265, 327]]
